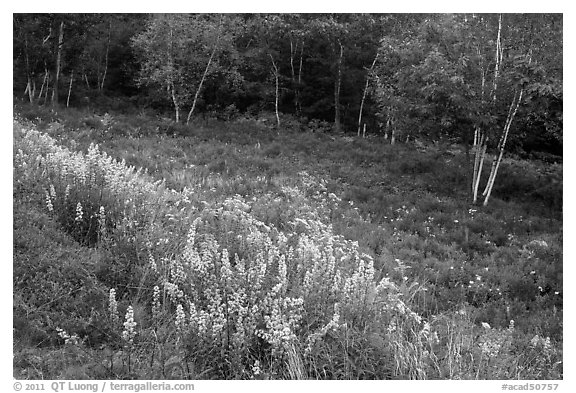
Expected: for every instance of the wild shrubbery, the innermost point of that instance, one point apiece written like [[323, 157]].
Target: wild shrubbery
[[239, 287], [234, 285]]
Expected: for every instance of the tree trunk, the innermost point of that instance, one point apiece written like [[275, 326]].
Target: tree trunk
[[170, 86], [276, 77], [298, 102], [70, 89], [498, 60], [481, 137], [85, 77], [480, 147], [388, 123], [204, 74], [43, 83], [338, 82], [496, 163], [106, 56], [365, 92], [47, 87], [31, 92], [293, 49], [296, 81], [58, 61], [200, 86], [174, 101]]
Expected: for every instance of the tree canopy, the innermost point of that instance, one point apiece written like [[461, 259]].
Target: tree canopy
[[438, 76]]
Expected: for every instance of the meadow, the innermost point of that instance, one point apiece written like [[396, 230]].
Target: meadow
[[230, 249]]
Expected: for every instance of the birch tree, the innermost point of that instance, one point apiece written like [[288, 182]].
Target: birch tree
[[179, 53], [369, 75], [465, 76]]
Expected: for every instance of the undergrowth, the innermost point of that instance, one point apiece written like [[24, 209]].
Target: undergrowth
[[224, 259]]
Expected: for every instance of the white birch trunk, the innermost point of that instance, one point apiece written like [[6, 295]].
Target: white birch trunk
[[43, 83], [70, 89], [365, 92], [200, 87], [204, 74], [58, 61], [498, 58], [175, 101], [29, 91], [47, 88], [337, 84], [106, 57], [506, 130], [276, 77], [479, 165], [298, 103]]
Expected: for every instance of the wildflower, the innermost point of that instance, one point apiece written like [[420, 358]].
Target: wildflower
[[490, 348], [72, 340], [425, 332], [78, 212], [113, 306], [129, 333], [152, 262], [256, 368], [547, 345], [102, 221], [67, 192], [173, 291], [156, 302], [180, 319], [49, 203]]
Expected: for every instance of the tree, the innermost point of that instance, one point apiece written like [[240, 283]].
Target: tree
[[465, 76], [332, 31], [179, 52]]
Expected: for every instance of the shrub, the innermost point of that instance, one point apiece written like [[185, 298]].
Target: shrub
[[234, 286]]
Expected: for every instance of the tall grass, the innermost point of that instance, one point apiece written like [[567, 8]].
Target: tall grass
[[239, 287]]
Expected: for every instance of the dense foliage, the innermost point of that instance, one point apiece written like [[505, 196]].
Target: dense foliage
[[167, 272], [431, 75]]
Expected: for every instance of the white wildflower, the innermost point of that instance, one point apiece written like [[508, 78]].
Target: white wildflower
[[79, 213], [129, 331]]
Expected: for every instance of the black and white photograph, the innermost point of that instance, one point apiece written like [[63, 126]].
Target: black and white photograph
[[287, 196]]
